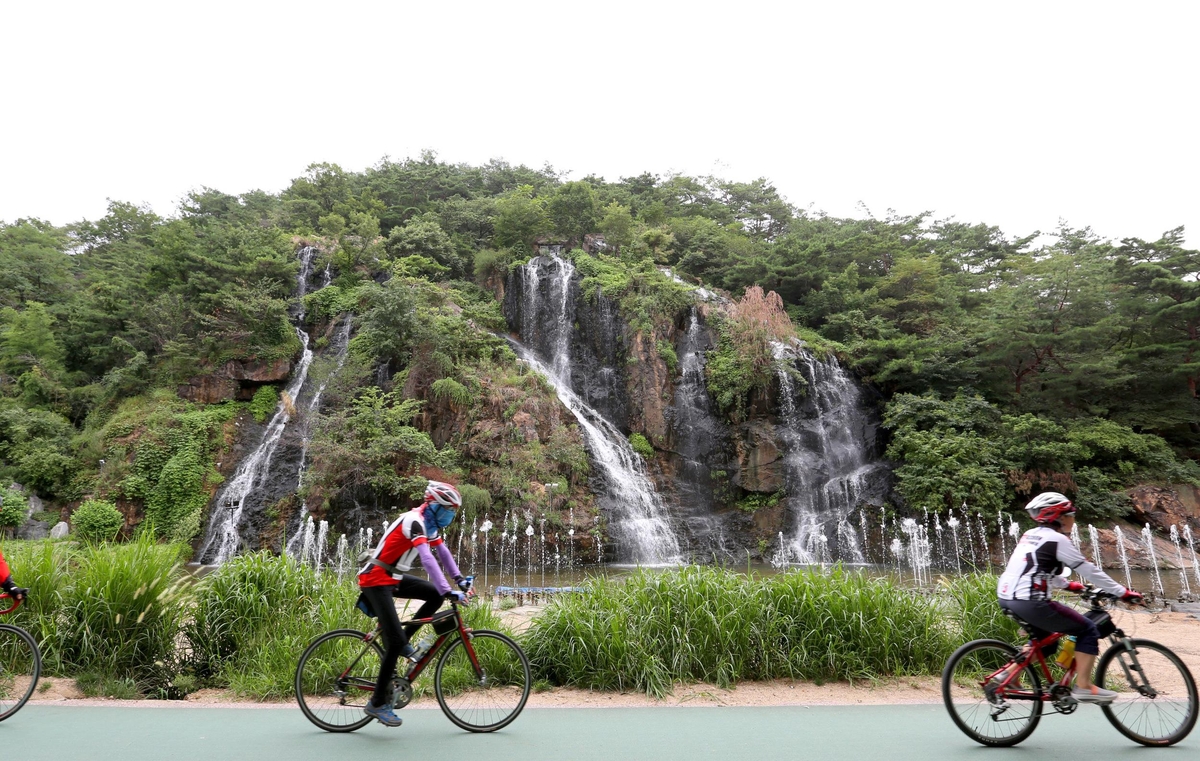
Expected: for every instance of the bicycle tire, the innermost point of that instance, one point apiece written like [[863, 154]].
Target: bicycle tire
[[962, 716], [13, 642], [318, 694], [507, 678], [1123, 713]]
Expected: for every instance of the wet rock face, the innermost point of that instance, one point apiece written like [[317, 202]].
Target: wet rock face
[[235, 380], [759, 458], [545, 306], [1160, 507]]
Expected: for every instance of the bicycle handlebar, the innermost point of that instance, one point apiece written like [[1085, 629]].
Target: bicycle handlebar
[[16, 602]]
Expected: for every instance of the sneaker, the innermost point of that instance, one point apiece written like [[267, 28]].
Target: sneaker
[[384, 715], [1093, 694]]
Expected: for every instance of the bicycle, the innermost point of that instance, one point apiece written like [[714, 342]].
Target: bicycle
[[993, 690], [482, 678], [20, 664]]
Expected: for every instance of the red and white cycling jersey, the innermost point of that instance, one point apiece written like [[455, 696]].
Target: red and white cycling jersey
[[4, 572], [1037, 562]]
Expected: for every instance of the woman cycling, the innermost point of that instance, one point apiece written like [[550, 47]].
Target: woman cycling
[[7, 583], [414, 535], [1035, 567]]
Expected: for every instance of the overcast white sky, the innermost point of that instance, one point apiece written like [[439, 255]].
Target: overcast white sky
[[1011, 113]]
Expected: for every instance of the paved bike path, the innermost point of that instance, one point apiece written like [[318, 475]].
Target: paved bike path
[[827, 733]]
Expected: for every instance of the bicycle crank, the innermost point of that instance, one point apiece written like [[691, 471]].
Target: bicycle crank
[[1064, 703], [402, 692]]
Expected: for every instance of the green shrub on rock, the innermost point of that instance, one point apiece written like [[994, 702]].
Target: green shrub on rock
[[97, 520], [13, 505], [641, 445], [263, 405]]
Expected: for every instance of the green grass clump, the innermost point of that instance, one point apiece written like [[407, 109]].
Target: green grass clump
[[255, 615], [657, 629], [972, 608], [122, 612]]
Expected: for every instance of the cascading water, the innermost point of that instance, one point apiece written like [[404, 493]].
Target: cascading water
[[829, 462], [637, 518], [1148, 547], [341, 344], [228, 510], [699, 438]]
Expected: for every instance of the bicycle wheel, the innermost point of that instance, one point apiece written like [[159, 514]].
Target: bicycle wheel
[[20, 667], [487, 698], [1005, 720], [336, 677], [1157, 703]]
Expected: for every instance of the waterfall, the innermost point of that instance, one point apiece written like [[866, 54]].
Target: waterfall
[[243, 494], [829, 461], [636, 515], [341, 345], [699, 439]]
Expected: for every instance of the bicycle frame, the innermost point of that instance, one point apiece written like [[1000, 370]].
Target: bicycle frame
[[1034, 656], [462, 630], [1117, 639]]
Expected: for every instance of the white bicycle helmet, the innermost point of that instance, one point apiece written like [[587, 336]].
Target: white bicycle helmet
[[1049, 506], [443, 494]]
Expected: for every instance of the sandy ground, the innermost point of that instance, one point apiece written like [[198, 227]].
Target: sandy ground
[[1178, 631]]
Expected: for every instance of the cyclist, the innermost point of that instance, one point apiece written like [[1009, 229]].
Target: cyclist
[[416, 534], [1035, 567], [7, 583]]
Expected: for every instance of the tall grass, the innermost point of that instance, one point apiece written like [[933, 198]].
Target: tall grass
[[106, 609], [657, 629], [122, 612], [972, 607], [254, 616]]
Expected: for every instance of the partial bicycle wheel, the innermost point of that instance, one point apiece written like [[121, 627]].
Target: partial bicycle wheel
[[336, 677], [484, 693], [996, 720], [1157, 703], [20, 667]]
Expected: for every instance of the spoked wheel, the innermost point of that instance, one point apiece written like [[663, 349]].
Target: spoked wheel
[[1157, 703], [484, 693], [336, 677], [1001, 720], [20, 667]]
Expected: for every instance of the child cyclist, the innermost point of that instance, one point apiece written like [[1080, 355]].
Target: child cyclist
[[416, 534], [1035, 567]]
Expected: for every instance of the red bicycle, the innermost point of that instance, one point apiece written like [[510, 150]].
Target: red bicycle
[[996, 692], [20, 664], [481, 680]]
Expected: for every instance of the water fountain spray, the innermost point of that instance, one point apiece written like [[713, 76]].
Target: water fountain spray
[[1094, 538], [1187, 533], [1124, 557], [1184, 587], [1148, 541]]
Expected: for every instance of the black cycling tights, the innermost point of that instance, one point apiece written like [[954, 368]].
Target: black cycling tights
[[395, 637]]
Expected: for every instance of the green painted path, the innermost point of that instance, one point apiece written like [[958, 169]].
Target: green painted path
[[827, 733]]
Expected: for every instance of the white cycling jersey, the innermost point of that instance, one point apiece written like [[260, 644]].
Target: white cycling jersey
[[1037, 562]]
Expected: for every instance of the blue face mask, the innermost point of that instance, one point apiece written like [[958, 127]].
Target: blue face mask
[[438, 517]]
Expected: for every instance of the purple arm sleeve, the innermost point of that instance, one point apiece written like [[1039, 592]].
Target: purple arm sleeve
[[443, 553], [431, 567]]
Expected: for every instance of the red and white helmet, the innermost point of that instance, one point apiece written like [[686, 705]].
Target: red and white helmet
[[1049, 506], [443, 494]]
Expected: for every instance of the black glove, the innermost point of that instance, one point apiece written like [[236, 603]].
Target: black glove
[[463, 583], [456, 596]]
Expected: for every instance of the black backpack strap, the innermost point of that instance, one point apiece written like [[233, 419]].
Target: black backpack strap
[[393, 570]]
